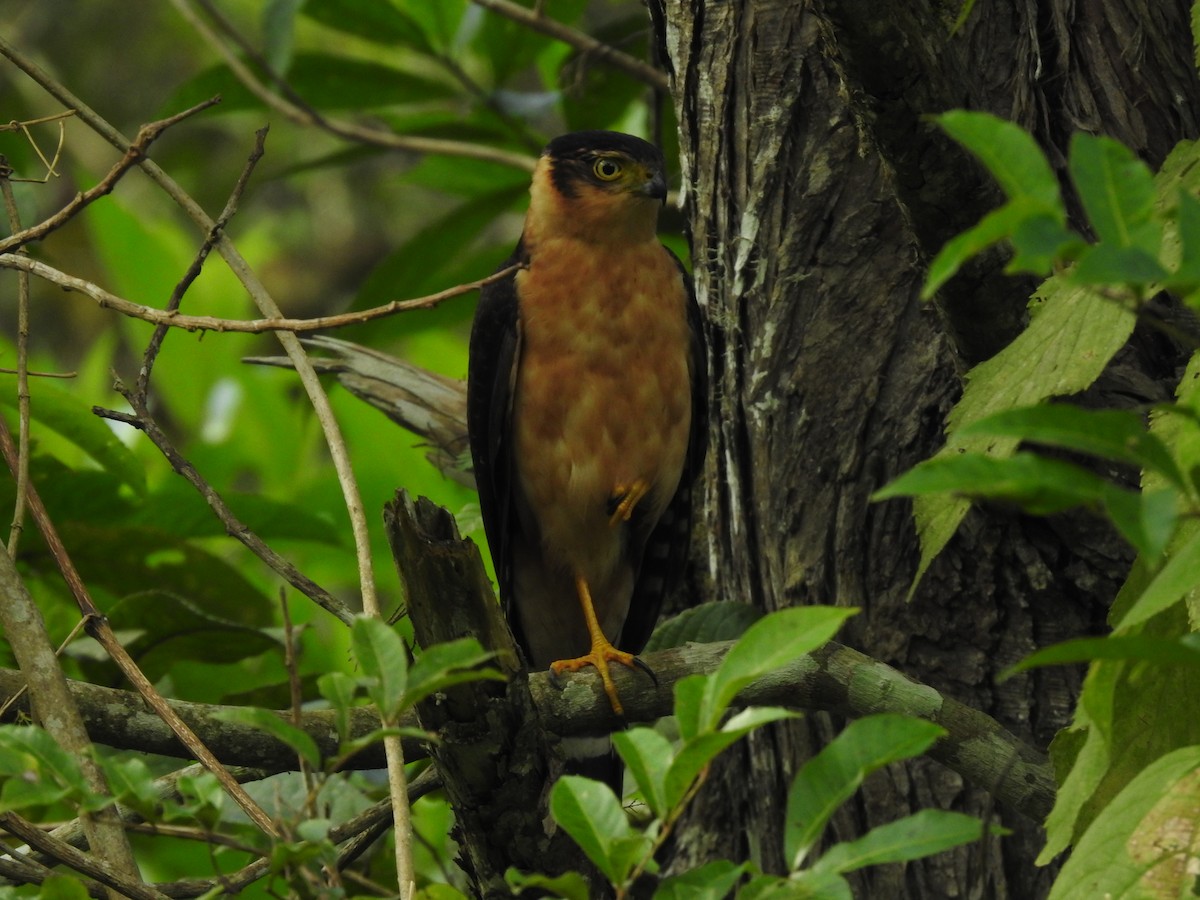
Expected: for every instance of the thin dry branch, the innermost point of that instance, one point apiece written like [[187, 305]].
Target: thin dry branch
[[534, 20], [167, 318], [80, 862], [22, 371], [134, 153], [306, 116], [193, 272]]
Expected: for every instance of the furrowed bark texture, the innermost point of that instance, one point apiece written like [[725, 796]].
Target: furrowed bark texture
[[817, 194]]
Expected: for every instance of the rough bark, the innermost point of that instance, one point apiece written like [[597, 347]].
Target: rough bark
[[816, 194]]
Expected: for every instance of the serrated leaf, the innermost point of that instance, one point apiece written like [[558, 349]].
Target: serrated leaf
[[384, 660], [1065, 348], [771, 642], [1145, 842], [1178, 576], [704, 624], [831, 777], [591, 814], [1117, 192], [1112, 434], [647, 755], [269, 722], [923, 834]]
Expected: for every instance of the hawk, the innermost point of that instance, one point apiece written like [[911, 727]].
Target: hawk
[[585, 407]]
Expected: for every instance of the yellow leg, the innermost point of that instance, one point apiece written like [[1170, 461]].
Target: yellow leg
[[627, 496], [601, 653]]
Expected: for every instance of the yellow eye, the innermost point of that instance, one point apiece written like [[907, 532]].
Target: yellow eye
[[606, 169]]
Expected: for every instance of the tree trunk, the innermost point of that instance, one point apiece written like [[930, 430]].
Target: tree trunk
[[816, 194]]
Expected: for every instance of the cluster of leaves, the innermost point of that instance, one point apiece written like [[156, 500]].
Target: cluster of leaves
[[1127, 765], [37, 777], [667, 773]]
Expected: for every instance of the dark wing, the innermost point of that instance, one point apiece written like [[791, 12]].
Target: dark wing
[[666, 548], [494, 354]]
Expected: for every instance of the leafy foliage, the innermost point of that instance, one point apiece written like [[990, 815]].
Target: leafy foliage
[[1133, 740]]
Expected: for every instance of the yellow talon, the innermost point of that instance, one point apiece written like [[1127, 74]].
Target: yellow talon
[[627, 496], [601, 653]]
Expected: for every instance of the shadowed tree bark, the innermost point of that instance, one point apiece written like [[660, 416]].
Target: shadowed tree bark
[[817, 192]]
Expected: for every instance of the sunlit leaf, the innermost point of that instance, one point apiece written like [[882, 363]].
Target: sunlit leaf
[[1178, 576], [647, 755], [1161, 651]]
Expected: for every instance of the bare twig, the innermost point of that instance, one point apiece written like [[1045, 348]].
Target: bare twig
[[166, 318], [133, 154], [22, 473], [98, 627], [80, 862], [376, 137], [51, 163], [193, 272], [585, 43], [234, 527]]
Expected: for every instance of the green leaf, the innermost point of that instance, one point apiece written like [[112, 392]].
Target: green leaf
[[1112, 434], [62, 887], [704, 624], [698, 751], [1178, 576], [806, 885], [1160, 651], [570, 885], [131, 783], [923, 834], [269, 722], [74, 420], [1105, 264], [339, 689], [1038, 364], [647, 755], [445, 665], [1040, 485], [711, 881], [382, 23], [1039, 241], [1010, 154], [591, 814], [1187, 273], [991, 229], [1147, 520], [37, 772], [384, 660], [831, 777], [322, 80], [1117, 192], [773, 641], [279, 32], [1146, 840]]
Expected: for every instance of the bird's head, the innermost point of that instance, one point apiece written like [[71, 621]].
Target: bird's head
[[600, 186]]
